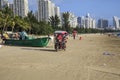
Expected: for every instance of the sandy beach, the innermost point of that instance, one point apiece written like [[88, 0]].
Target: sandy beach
[[94, 57]]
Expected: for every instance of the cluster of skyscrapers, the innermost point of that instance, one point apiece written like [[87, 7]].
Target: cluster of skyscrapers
[[19, 7], [46, 9], [86, 22], [103, 23], [72, 19]]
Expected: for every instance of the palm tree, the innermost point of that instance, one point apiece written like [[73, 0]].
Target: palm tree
[[7, 19], [66, 22], [57, 21], [12, 23], [7, 14], [1, 19], [24, 25], [31, 20], [54, 21]]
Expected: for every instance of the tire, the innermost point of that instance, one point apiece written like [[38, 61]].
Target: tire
[[64, 47], [56, 47]]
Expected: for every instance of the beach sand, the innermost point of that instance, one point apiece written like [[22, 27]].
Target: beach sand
[[94, 57]]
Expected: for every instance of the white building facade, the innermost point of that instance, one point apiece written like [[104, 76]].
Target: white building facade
[[3, 3], [86, 22], [116, 23], [11, 6], [89, 22], [72, 20], [57, 11], [21, 8], [46, 9]]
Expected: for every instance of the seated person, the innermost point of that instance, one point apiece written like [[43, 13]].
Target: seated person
[[23, 35], [17, 36], [59, 37], [5, 36]]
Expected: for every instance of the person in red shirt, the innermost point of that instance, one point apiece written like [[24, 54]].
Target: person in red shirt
[[74, 33], [59, 37], [59, 40]]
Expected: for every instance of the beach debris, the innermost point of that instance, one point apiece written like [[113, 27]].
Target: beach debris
[[104, 64], [0, 46], [108, 53], [80, 38]]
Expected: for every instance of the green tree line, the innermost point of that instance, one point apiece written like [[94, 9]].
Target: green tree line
[[9, 22]]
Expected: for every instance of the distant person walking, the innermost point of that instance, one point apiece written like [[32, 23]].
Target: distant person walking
[[74, 33]]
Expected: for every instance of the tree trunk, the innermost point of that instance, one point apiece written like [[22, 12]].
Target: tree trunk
[[12, 28], [4, 28]]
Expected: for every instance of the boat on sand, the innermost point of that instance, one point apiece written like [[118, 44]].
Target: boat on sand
[[36, 42]]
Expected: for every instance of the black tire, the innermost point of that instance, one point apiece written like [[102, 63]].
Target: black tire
[[56, 47], [64, 46]]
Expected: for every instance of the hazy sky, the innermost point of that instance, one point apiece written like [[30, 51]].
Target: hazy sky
[[97, 8]]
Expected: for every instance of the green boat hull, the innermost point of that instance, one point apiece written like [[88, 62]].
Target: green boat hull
[[38, 42]]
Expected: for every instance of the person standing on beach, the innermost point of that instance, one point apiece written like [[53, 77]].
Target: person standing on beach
[[74, 33]]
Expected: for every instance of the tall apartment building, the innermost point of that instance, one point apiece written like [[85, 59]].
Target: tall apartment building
[[119, 22], [3, 3], [102, 23], [46, 9], [89, 22], [72, 20], [81, 22], [57, 11], [36, 14], [94, 23], [11, 6], [116, 23], [86, 22], [21, 8]]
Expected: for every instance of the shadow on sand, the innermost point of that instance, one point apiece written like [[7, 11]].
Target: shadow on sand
[[39, 49]]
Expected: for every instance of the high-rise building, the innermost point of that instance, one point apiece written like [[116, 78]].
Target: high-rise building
[[116, 23], [94, 23], [11, 6], [81, 22], [119, 22], [57, 11], [72, 20], [41, 10], [86, 22], [3, 3], [103, 23], [36, 14], [21, 8], [46, 9], [0, 4]]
